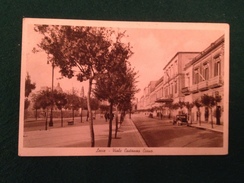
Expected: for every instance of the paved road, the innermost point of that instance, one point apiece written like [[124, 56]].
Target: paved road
[[161, 133]]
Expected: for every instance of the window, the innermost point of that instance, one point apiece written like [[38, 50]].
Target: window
[[175, 86], [196, 76], [187, 82], [217, 65], [217, 68], [206, 71]]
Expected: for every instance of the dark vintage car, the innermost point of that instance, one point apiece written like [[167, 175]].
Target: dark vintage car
[[181, 119]]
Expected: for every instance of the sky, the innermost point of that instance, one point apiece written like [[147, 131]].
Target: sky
[[153, 48]]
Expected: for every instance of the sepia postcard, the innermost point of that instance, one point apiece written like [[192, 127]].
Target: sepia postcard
[[119, 88]]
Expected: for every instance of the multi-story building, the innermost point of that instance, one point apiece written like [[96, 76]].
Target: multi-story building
[[204, 75], [187, 77], [174, 75]]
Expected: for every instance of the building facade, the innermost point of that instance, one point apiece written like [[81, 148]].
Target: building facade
[[186, 78]]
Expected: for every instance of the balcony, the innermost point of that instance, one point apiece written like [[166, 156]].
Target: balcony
[[164, 100], [203, 85], [215, 82], [194, 88], [170, 96], [186, 91]]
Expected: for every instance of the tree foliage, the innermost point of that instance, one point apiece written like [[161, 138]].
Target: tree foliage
[[117, 84], [60, 99], [89, 53], [73, 101], [74, 48], [197, 103], [77, 51], [27, 103], [29, 86], [43, 99], [208, 101]]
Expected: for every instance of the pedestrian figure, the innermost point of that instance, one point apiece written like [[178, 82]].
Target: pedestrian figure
[[218, 115], [112, 116]]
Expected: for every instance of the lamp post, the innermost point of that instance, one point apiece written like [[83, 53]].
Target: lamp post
[[51, 112]]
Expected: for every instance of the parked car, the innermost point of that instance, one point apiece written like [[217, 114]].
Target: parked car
[[181, 119]]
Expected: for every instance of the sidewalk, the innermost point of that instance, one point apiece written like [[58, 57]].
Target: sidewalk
[[128, 136], [208, 126], [203, 126], [79, 136]]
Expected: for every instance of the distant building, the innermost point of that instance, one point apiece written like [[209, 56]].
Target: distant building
[[58, 88], [82, 93], [45, 88]]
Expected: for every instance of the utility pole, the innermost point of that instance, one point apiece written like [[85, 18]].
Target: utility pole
[[51, 113]]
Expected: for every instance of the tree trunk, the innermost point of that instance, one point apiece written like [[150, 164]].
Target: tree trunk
[[211, 117], [73, 115], [90, 114], [189, 116], [117, 123], [122, 116], [81, 116], [199, 116], [46, 115], [110, 124], [36, 114], [62, 122]]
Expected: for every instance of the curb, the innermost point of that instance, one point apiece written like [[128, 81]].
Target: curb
[[139, 134], [209, 129]]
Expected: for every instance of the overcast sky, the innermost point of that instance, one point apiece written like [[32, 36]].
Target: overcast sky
[[153, 49]]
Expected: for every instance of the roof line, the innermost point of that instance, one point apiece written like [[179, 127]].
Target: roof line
[[177, 54]]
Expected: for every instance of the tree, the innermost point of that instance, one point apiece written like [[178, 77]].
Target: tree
[[73, 102], [94, 105], [28, 88], [210, 102], [82, 49], [198, 105], [117, 90], [28, 85], [170, 106], [218, 99], [189, 107], [27, 103], [117, 84], [103, 108], [36, 104], [60, 100], [83, 105], [124, 107], [43, 100]]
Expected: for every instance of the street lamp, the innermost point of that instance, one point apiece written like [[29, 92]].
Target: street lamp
[[51, 113]]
